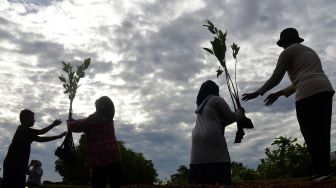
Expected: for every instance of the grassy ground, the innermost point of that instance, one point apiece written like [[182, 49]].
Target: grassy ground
[[282, 183]]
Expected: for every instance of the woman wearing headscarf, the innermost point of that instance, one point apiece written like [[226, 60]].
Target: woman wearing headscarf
[[210, 160], [102, 155]]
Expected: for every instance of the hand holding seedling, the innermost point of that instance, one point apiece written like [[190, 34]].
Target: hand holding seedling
[[219, 50]]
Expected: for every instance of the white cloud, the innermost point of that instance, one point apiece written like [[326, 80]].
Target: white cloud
[[147, 56]]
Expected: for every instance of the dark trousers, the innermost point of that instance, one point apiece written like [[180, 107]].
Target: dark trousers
[[314, 116], [14, 177], [210, 173], [111, 173]]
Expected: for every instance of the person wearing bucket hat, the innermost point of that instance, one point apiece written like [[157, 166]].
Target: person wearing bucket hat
[[288, 36], [313, 96]]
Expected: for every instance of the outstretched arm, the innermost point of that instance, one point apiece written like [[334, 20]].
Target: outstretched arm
[[274, 80], [49, 138], [249, 96], [270, 99], [46, 129]]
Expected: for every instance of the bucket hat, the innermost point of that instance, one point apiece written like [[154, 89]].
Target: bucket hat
[[289, 35]]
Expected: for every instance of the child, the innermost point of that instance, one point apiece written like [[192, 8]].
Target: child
[[35, 173], [16, 161]]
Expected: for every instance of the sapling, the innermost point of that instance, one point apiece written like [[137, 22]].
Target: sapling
[[219, 50], [70, 82]]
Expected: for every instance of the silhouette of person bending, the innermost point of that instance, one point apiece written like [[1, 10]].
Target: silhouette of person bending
[[314, 94], [16, 161]]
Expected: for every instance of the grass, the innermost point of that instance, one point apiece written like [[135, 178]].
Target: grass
[[280, 183]]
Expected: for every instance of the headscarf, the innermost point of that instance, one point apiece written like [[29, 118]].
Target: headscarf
[[104, 111], [208, 88]]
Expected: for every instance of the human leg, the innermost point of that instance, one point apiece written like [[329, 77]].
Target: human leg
[[323, 148], [99, 177], [13, 178], [210, 173], [114, 174], [314, 116]]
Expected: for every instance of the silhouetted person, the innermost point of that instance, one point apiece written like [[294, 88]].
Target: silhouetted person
[[16, 161], [35, 173], [210, 161], [102, 150], [314, 94], [0, 181]]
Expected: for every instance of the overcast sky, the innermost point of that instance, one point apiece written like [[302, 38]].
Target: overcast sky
[[147, 57]]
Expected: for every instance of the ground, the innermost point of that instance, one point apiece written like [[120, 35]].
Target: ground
[[282, 183]]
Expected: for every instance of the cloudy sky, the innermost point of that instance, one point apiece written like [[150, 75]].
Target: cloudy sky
[[147, 56]]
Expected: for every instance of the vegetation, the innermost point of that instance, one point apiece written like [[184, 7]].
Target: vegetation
[[71, 80], [241, 172], [285, 159], [180, 177], [288, 160], [74, 173], [285, 162], [136, 168]]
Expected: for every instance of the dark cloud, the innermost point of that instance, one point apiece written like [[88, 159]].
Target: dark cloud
[[159, 71]]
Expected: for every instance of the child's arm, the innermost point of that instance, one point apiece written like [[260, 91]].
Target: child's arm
[[46, 129], [49, 138]]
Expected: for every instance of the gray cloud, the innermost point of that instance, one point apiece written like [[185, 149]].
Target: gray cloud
[[160, 70]]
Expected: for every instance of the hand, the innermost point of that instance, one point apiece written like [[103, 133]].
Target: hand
[[249, 96], [63, 134], [57, 122], [270, 99], [242, 110]]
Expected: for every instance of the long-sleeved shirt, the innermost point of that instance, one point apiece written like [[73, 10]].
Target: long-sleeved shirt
[[101, 143], [304, 69], [208, 141]]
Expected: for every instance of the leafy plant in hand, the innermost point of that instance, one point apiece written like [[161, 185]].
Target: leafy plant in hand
[[71, 80], [66, 151], [219, 50]]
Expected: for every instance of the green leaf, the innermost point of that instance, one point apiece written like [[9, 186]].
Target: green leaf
[[87, 63], [219, 72], [64, 66], [210, 26], [79, 70], [219, 49], [222, 35], [212, 30], [223, 63], [235, 50], [208, 50], [210, 23], [62, 78]]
